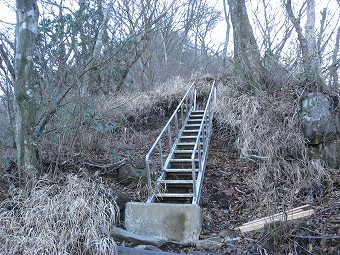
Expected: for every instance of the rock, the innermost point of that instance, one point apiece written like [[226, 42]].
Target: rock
[[147, 247], [224, 233], [121, 200], [331, 154], [317, 121], [208, 244], [123, 235], [328, 152], [231, 240], [127, 173]]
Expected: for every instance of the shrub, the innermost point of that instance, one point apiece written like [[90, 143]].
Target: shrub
[[70, 218]]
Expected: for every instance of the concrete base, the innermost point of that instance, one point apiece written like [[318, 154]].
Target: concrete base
[[171, 222]]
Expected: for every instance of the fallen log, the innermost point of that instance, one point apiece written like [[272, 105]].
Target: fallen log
[[119, 234], [296, 213]]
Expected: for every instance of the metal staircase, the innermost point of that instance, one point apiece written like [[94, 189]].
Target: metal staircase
[[176, 161]]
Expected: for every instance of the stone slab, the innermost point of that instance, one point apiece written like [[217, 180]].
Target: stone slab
[[171, 222]]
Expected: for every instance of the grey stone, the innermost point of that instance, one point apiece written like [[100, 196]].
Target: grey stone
[[147, 247], [128, 173], [231, 240], [331, 154], [180, 223], [224, 232], [208, 245], [121, 234], [121, 200], [215, 239], [317, 121], [328, 152]]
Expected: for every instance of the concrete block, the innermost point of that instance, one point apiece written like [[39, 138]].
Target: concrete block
[[171, 222]]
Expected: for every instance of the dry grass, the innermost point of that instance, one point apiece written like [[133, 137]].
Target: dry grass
[[138, 102], [73, 218], [267, 132]]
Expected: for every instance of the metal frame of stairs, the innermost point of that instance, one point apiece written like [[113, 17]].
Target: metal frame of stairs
[[176, 161]]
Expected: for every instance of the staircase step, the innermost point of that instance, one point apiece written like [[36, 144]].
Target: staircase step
[[190, 132], [181, 160], [197, 112], [175, 195], [174, 198], [177, 182], [179, 171], [187, 146], [192, 126], [183, 153], [182, 163], [196, 117], [177, 186], [188, 138], [194, 121]]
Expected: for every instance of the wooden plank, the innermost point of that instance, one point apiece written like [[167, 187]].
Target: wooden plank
[[292, 214], [291, 211]]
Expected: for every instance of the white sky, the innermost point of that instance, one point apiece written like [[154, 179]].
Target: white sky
[[217, 36], [6, 14]]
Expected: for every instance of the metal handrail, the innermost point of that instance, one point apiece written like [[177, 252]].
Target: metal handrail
[[204, 133], [189, 99]]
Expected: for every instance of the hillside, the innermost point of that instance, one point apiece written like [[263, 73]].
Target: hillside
[[237, 188]]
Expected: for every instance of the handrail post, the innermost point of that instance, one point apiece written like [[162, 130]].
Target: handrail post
[[195, 96], [215, 94], [194, 174], [170, 137], [148, 175], [160, 153], [176, 123]]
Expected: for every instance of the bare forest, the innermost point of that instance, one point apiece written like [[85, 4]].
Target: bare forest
[[86, 86]]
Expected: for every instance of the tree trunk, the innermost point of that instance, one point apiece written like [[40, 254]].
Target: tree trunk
[[310, 56], [246, 52], [334, 79], [226, 40], [25, 89]]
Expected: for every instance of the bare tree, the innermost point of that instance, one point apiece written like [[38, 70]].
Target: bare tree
[[25, 89], [334, 79], [227, 33], [308, 45], [246, 52]]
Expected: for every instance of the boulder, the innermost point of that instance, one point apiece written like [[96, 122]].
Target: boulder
[[318, 123], [331, 154], [129, 173], [328, 152], [121, 200]]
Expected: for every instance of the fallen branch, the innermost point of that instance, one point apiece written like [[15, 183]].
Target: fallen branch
[[318, 237], [107, 168], [123, 235], [292, 214]]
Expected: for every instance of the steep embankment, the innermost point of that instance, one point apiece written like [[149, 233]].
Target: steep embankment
[[258, 165]]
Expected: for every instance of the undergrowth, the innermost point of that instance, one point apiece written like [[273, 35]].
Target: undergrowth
[[70, 218], [266, 131]]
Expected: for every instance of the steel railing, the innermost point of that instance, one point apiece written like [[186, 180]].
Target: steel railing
[[168, 134], [201, 147]]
